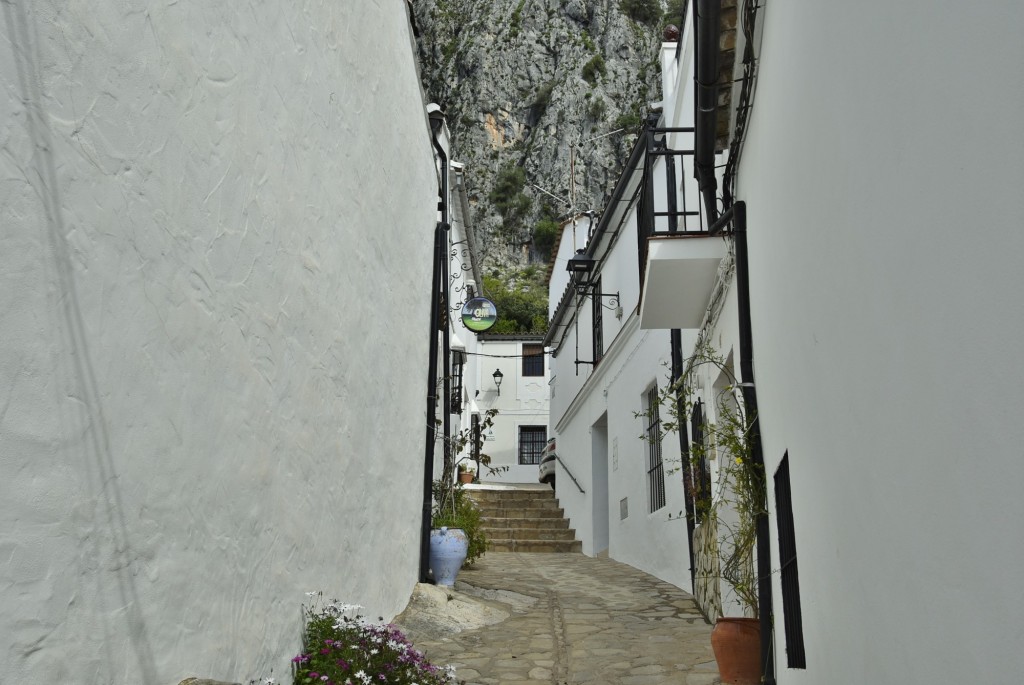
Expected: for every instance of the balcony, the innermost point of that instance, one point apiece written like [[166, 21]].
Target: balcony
[[679, 277]]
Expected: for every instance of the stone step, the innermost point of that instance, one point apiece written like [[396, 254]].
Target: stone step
[[524, 534], [511, 495], [526, 503], [520, 512], [527, 520], [544, 546], [549, 523]]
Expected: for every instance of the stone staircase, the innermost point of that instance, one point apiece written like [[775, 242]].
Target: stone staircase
[[524, 520]]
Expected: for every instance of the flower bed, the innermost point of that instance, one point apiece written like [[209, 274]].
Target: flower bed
[[343, 650]]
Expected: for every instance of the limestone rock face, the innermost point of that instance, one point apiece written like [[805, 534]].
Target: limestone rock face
[[521, 82]]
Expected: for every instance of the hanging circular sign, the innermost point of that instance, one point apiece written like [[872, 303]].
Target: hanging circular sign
[[479, 314]]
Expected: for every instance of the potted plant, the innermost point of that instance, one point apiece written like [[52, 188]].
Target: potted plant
[[457, 535], [730, 508]]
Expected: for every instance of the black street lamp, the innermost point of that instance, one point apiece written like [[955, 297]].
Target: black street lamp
[[580, 267], [498, 376]]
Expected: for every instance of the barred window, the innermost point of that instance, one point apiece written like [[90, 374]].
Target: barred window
[[458, 364], [533, 360], [531, 443], [655, 466]]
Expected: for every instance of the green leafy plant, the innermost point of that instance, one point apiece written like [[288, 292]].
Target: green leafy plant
[[339, 649], [516, 20], [628, 120], [454, 509], [543, 98], [594, 68], [522, 306], [507, 194], [739, 495], [544, 235]]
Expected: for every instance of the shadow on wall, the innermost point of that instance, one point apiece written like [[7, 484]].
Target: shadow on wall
[[99, 467]]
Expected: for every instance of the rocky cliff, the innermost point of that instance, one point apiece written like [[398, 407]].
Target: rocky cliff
[[531, 89]]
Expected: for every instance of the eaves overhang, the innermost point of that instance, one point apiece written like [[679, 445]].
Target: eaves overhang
[[681, 271]]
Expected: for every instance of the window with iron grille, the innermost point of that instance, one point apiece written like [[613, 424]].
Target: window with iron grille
[[458, 363], [701, 470], [533, 360], [790, 576], [598, 331], [531, 443], [655, 467]]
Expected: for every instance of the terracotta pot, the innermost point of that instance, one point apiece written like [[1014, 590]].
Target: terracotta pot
[[465, 476], [737, 645]]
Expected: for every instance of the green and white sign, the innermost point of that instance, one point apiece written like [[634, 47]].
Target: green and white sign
[[479, 314]]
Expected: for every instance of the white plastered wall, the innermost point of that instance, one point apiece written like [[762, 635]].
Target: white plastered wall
[[610, 395], [883, 176], [522, 401], [208, 298]]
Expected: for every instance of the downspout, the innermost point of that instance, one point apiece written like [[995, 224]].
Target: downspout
[[684, 452], [707, 21], [437, 283], [738, 214]]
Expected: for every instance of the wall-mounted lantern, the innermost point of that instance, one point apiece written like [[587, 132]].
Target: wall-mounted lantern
[[580, 268], [498, 376]]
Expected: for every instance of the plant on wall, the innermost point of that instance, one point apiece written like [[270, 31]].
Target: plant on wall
[[739, 497]]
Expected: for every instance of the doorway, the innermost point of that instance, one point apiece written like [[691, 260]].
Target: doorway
[[599, 496]]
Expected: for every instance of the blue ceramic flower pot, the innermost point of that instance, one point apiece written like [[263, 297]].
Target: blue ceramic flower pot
[[448, 547]]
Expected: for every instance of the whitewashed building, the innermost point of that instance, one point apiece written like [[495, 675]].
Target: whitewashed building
[[486, 371], [869, 301], [207, 290], [623, 493], [520, 428]]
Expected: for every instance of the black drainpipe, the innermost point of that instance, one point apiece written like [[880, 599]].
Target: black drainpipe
[[737, 213], [684, 452], [437, 288], [706, 22]]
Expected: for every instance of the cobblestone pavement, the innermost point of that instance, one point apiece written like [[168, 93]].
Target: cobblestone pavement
[[572, 619]]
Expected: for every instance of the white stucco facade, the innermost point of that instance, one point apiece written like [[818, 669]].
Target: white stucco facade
[[207, 291], [883, 218], [594, 408], [522, 404]]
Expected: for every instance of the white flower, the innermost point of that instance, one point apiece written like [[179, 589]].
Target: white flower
[[374, 651]]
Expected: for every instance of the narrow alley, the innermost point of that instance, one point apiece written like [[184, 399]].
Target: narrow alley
[[566, 618]]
